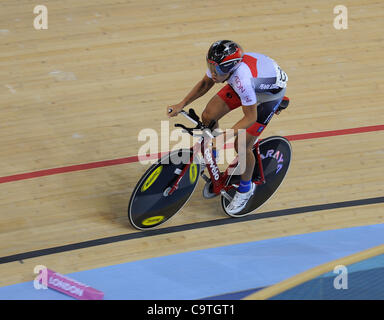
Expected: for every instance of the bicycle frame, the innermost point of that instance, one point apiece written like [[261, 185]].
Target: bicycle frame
[[218, 178], [219, 184]]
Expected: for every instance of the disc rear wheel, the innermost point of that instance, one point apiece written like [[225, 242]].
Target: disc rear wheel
[[276, 157]]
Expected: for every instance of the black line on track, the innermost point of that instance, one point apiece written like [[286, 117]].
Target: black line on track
[[185, 227]]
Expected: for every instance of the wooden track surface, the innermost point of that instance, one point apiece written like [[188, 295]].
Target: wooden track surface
[[82, 90]]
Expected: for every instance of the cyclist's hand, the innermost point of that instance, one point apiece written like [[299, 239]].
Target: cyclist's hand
[[173, 111]]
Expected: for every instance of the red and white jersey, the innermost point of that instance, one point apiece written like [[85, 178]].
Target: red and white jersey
[[257, 73]]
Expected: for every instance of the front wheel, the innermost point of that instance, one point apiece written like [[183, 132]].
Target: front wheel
[[150, 205], [275, 157]]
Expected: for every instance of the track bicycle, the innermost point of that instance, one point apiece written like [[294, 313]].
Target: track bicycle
[[168, 184]]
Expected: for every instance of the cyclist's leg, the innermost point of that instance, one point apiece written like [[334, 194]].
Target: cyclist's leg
[[247, 155], [222, 103], [265, 111]]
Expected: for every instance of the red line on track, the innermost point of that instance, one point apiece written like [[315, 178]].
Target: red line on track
[[334, 133], [107, 163]]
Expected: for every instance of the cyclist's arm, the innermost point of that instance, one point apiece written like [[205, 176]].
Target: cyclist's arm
[[200, 89]]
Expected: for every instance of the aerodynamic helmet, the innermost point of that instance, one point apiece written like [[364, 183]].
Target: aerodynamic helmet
[[224, 57]]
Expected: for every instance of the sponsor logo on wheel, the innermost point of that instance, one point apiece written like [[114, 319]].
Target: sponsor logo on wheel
[[193, 173], [151, 179], [152, 220]]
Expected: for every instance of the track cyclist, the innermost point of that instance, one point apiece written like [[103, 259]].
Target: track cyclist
[[255, 82]]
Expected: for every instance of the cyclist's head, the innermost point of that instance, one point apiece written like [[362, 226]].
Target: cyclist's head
[[224, 57]]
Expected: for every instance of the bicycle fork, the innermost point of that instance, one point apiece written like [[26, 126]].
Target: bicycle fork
[[180, 173], [216, 176]]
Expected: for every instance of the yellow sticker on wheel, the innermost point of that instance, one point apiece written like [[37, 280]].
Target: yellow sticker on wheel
[[151, 179], [193, 173], [152, 220]]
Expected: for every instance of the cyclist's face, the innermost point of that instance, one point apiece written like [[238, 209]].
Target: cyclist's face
[[217, 75], [219, 78]]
